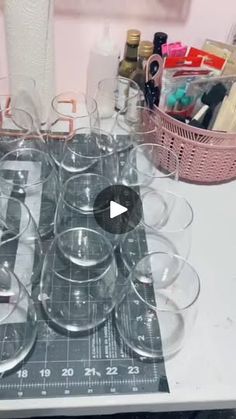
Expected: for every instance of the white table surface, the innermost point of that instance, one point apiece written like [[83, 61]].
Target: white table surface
[[203, 374]]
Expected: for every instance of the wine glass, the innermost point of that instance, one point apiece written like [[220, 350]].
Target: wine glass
[[17, 131], [76, 206], [114, 93], [151, 165], [20, 247], [69, 111], [89, 150], [20, 92], [113, 96], [166, 226], [79, 284], [134, 125], [156, 314], [18, 324], [29, 175]]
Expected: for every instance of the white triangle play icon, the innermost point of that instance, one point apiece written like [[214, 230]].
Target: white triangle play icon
[[116, 209]]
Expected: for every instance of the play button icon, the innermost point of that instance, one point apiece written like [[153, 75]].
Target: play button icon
[[118, 209]]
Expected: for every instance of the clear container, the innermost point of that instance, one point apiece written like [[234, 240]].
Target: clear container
[[114, 95], [145, 167], [79, 283], [17, 131], [30, 174], [133, 128], [157, 312], [20, 92], [166, 226], [90, 150], [76, 205], [20, 247], [69, 111], [18, 325]]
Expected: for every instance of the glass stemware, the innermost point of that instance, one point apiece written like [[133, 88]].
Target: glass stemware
[[89, 150], [29, 175], [151, 165], [79, 282], [133, 128], [165, 227], [113, 95], [69, 111], [20, 92], [76, 206], [158, 310], [18, 325], [17, 131], [20, 246]]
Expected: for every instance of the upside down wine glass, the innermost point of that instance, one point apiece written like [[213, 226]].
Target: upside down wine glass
[[18, 325], [69, 111], [79, 283]]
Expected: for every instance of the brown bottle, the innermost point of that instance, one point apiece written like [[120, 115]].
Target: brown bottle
[[129, 64], [144, 52]]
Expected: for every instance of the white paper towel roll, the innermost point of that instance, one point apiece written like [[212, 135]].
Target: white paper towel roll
[[30, 46]]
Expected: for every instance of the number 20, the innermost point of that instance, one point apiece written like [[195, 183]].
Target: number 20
[[67, 372]]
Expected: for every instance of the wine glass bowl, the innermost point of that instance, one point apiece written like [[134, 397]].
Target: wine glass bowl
[[159, 309], [89, 151], [151, 165], [20, 247], [79, 282], [18, 324], [69, 111], [28, 172]]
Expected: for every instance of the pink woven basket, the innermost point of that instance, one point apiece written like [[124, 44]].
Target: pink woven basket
[[204, 156]]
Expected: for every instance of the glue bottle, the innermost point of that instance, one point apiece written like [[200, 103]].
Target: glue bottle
[[103, 61]]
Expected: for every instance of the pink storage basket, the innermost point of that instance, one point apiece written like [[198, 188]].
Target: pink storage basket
[[204, 156]]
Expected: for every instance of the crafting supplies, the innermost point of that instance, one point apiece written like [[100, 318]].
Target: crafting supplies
[[175, 49], [210, 100], [225, 51], [226, 118], [211, 61], [178, 73], [201, 85]]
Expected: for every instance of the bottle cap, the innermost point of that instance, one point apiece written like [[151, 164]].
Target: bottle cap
[[133, 36], [160, 37], [145, 49]]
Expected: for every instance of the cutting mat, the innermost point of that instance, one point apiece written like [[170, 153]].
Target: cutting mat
[[97, 363]]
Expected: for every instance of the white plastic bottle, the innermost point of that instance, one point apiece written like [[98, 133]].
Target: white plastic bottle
[[103, 62]]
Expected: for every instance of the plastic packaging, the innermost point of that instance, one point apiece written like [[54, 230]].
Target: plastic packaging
[[103, 62], [210, 61], [177, 75]]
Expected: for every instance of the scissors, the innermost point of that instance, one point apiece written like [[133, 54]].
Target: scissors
[[154, 70]]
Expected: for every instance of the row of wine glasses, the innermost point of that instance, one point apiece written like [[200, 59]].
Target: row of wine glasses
[[50, 176]]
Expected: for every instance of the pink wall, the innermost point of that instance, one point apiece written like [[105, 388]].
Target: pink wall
[[75, 33], [79, 23]]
